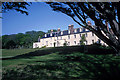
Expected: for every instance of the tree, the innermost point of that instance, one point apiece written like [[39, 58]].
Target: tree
[[0, 42], [54, 30], [105, 15], [22, 40], [83, 39], [17, 6], [10, 44]]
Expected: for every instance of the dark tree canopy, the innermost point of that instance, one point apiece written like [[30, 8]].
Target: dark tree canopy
[[21, 40], [17, 6], [54, 30], [10, 44], [106, 17]]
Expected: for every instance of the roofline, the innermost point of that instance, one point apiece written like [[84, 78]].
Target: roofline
[[63, 30], [65, 35]]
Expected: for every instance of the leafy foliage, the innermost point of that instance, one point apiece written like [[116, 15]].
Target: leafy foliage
[[97, 67], [83, 39], [21, 40], [54, 30], [0, 42], [17, 6], [10, 44]]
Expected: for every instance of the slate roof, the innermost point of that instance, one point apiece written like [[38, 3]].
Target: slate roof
[[65, 32]]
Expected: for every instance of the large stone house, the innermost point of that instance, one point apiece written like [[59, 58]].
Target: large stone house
[[71, 37]]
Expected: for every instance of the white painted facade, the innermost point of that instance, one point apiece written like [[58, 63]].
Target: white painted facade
[[71, 39]]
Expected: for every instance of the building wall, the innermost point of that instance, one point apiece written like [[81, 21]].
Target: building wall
[[72, 39]]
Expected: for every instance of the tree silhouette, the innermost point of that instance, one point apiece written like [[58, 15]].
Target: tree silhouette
[[106, 17], [10, 44], [17, 6]]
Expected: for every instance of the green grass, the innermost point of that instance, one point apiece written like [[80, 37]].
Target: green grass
[[25, 60], [15, 52], [66, 63], [33, 60]]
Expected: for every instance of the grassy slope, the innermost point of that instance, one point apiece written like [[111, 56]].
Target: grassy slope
[[53, 63], [15, 52], [11, 63], [48, 64]]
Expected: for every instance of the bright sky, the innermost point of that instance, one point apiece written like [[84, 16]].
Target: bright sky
[[40, 18]]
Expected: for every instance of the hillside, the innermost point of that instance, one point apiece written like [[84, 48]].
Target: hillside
[[62, 63]]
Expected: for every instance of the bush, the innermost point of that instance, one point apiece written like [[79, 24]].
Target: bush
[[65, 44], [97, 67], [96, 44], [43, 47]]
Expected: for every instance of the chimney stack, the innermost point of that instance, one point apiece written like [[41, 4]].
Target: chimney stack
[[89, 23], [71, 28], [51, 31], [58, 30]]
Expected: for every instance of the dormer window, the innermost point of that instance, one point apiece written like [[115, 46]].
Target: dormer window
[[61, 32], [86, 30], [68, 31], [75, 30], [45, 35], [50, 34]]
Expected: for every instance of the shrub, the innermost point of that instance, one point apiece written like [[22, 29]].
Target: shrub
[[96, 44], [83, 39], [97, 67], [43, 47], [65, 44]]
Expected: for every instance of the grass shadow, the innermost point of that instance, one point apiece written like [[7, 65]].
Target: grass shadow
[[60, 50], [63, 50], [29, 55]]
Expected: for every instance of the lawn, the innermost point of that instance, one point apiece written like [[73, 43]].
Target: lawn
[[15, 52], [63, 63]]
